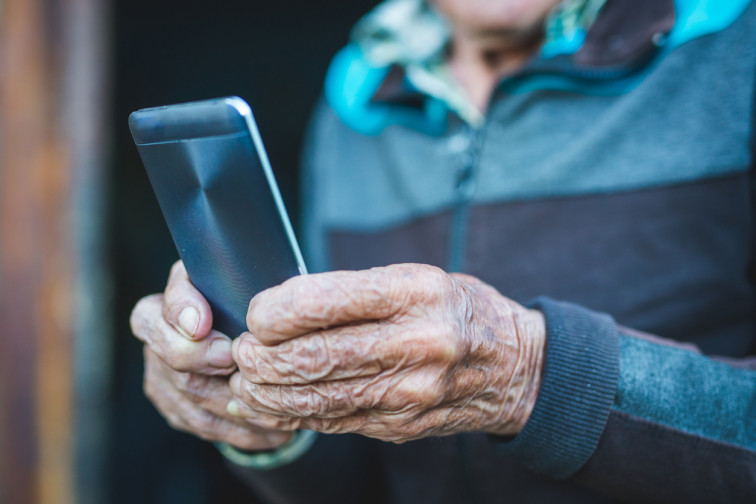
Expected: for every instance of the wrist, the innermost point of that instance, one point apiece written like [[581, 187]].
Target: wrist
[[524, 382], [535, 349], [577, 390]]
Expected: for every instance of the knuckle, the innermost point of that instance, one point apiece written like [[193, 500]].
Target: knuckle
[[247, 358], [149, 384], [192, 384], [271, 365], [257, 396], [178, 353], [306, 299], [245, 441], [174, 360], [432, 277], [421, 393], [204, 423], [182, 381], [308, 359], [327, 425], [412, 430], [393, 420], [139, 319], [259, 310], [420, 284], [270, 369], [310, 401], [436, 390], [288, 424], [277, 423], [442, 343], [174, 421], [176, 274], [149, 388], [253, 314], [305, 403], [178, 294], [205, 436]]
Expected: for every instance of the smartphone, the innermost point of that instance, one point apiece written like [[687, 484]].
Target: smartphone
[[213, 181]]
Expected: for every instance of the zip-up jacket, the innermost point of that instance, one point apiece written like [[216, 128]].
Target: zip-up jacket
[[609, 185]]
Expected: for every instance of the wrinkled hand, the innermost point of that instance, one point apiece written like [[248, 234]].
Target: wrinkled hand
[[187, 366], [396, 353]]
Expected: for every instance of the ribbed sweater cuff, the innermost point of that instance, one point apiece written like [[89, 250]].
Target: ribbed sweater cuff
[[578, 386]]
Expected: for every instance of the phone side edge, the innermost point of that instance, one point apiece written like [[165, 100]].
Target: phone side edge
[[245, 112]]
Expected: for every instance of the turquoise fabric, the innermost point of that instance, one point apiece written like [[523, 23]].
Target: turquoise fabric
[[687, 391], [696, 18], [351, 82]]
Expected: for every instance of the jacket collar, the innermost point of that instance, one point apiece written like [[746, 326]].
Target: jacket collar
[[625, 31], [625, 35]]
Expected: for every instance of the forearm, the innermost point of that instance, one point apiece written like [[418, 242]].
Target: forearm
[[678, 424], [681, 415]]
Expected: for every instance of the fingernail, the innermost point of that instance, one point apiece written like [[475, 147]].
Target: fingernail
[[237, 409], [189, 320], [219, 354], [233, 408]]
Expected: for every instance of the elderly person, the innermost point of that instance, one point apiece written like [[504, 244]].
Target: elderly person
[[579, 168]]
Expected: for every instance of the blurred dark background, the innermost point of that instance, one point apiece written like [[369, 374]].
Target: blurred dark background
[[274, 55]]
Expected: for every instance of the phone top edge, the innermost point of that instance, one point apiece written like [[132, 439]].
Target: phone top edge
[[194, 103], [240, 105], [186, 121]]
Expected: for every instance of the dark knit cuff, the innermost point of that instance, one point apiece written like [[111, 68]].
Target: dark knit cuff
[[578, 386]]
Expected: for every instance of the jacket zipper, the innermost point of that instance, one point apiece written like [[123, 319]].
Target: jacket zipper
[[464, 189], [465, 183]]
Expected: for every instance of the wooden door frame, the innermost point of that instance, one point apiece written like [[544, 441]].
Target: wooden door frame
[[53, 282]]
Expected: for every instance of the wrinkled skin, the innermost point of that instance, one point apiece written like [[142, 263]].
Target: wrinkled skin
[[395, 353], [187, 368]]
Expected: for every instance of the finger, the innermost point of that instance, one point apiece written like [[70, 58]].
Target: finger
[[209, 392], [346, 352], [413, 391], [184, 414], [184, 307], [390, 427], [211, 355], [385, 426], [250, 437], [244, 437], [266, 421], [395, 426], [142, 316], [307, 303], [336, 425]]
